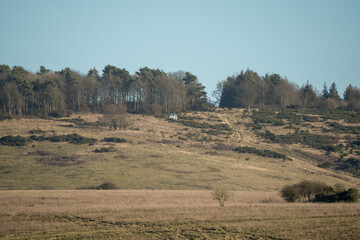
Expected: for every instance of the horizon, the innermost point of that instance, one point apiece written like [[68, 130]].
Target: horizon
[[300, 40]]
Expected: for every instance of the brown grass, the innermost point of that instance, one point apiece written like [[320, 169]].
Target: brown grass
[[154, 158], [163, 213]]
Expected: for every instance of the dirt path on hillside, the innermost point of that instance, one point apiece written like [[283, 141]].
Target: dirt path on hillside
[[240, 134]]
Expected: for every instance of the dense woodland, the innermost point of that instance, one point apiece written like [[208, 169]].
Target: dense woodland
[[248, 89], [152, 91], [147, 91]]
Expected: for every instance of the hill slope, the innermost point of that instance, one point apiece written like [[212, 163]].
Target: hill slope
[[194, 153]]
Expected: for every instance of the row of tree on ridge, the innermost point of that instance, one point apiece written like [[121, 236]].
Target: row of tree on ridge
[[147, 91], [152, 91], [248, 89]]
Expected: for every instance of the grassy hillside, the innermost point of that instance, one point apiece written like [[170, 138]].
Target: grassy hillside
[[194, 153]]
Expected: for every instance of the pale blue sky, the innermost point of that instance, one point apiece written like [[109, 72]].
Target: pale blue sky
[[303, 40]]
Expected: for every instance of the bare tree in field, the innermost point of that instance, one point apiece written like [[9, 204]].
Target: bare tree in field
[[116, 117], [222, 195]]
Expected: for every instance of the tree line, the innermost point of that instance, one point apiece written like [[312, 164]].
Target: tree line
[[149, 91], [152, 91], [249, 89]]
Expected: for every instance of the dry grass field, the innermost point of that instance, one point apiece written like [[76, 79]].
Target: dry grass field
[[166, 214], [165, 172]]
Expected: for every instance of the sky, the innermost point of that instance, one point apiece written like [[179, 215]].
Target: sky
[[316, 41]]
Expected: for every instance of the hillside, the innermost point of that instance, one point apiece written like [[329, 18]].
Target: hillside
[[194, 153]]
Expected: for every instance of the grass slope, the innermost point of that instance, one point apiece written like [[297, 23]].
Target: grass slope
[[195, 153]]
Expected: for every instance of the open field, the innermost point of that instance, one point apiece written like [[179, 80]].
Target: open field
[[158, 154], [163, 214], [166, 171]]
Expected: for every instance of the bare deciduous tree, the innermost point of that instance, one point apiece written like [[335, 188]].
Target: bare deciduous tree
[[116, 117], [221, 195]]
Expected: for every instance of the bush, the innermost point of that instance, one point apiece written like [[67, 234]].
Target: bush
[[101, 150], [13, 141], [58, 114], [350, 163], [290, 193], [107, 186], [115, 139], [71, 138], [262, 153], [36, 131], [38, 138], [350, 195], [221, 195], [318, 192], [77, 139], [304, 191]]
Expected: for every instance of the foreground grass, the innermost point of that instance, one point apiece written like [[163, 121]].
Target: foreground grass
[[148, 214]]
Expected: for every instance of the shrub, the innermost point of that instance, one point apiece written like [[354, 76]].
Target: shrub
[[318, 192], [13, 141], [101, 150], [107, 186], [350, 195], [331, 148], [290, 193], [262, 153], [71, 138], [38, 138], [221, 195], [304, 191], [57, 114], [36, 131], [350, 163], [77, 139], [115, 139]]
